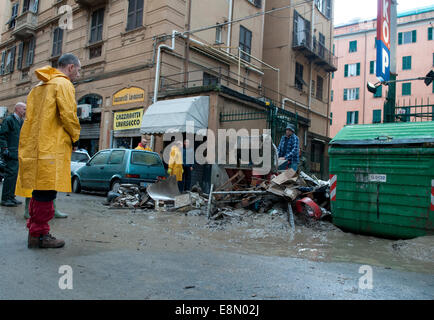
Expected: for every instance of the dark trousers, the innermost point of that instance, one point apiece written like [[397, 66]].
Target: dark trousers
[[186, 179], [10, 181]]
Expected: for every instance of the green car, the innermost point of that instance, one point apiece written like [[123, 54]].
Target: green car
[[109, 168]]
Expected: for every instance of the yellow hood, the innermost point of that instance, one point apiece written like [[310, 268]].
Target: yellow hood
[[48, 73]]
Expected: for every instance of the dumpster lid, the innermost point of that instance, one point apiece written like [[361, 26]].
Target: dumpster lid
[[385, 134]]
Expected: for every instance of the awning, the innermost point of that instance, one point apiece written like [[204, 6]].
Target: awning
[[174, 115]]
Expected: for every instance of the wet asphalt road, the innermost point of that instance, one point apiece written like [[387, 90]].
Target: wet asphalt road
[[121, 271]]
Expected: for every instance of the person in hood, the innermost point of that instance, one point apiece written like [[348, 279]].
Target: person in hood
[[143, 145], [47, 137]]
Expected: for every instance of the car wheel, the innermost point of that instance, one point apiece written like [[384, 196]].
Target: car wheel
[[76, 187], [115, 185]]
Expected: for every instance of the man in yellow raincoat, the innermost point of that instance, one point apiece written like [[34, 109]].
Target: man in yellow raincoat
[[175, 163], [143, 145], [46, 140]]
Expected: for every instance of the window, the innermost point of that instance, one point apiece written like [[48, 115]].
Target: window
[[145, 158], [301, 30], [351, 94], [245, 43], [218, 35], [406, 89], [94, 100], [324, 6], [376, 116], [135, 14], [352, 117], [406, 63], [95, 52], [331, 96], [379, 92], [100, 158], [372, 66], [116, 157], [26, 53], [96, 26], [14, 15], [331, 118], [30, 5], [375, 42], [353, 46], [319, 86], [299, 76], [256, 3], [8, 61], [407, 37], [313, 89], [57, 42], [430, 36], [352, 70], [209, 79]]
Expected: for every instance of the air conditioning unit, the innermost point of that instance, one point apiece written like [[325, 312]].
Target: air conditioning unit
[[84, 111], [3, 112]]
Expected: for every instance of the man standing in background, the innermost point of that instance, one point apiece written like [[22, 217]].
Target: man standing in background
[[9, 140]]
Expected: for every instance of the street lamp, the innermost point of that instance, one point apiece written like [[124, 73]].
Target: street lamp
[[372, 87]]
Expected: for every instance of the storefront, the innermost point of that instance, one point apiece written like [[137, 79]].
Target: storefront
[[89, 114], [126, 121]]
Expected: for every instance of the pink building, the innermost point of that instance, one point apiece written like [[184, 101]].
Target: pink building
[[354, 45]]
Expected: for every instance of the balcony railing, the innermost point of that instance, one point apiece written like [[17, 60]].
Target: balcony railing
[[314, 50], [25, 25]]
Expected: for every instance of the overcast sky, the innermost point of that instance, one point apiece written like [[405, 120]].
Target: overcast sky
[[349, 10]]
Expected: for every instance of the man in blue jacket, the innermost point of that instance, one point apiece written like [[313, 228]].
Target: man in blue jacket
[[289, 149]]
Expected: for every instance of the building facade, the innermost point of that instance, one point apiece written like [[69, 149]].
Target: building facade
[[355, 46], [302, 51]]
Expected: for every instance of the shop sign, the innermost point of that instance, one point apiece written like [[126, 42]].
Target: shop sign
[[131, 119], [128, 95]]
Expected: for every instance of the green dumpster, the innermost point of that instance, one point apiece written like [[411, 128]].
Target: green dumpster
[[382, 179]]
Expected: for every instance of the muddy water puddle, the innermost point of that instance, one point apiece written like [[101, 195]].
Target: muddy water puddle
[[245, 232]]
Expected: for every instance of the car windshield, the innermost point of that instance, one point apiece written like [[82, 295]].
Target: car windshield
[[79, 157]]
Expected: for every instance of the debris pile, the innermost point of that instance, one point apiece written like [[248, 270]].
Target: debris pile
[[129, 196]]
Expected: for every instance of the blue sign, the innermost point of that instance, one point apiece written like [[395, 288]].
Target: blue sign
[[383, 62]]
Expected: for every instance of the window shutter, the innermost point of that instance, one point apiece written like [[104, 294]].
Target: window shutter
[[358, 69], [356, 120], [413, 36], [357, 93], [430, 33], [31, 53], [346, 71], [20, 56], [345, 94], [348, 117], [13, 50], [2, 66], [331, 118], [409, 62], [400, 38], [371, 67]]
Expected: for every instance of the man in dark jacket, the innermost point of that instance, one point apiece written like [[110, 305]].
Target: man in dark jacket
[[187, 165], [9, 140]]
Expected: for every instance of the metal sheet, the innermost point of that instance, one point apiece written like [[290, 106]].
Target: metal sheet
[[165, 190]]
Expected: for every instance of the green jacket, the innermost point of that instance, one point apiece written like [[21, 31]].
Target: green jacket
[[10, 135]]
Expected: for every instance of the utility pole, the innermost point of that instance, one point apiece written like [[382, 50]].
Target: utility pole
[[389, 105]]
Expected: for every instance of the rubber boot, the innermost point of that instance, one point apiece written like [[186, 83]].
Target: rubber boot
[[58, 214], [26, 209]]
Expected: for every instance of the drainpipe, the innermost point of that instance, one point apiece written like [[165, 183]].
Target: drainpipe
[[157, 74], [231, 4], [330, 78], [311, 64]]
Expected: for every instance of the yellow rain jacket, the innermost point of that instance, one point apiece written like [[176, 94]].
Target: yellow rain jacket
[[46, 138], [140, 147], [175, 163]]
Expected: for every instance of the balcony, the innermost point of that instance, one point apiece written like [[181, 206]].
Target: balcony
[[90, 3], [25, 26], [314, 50]]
